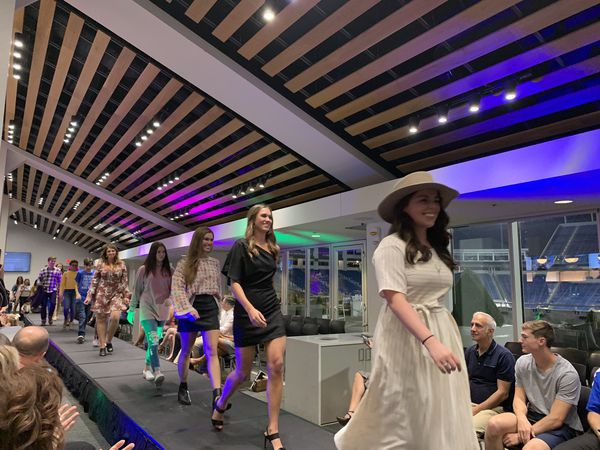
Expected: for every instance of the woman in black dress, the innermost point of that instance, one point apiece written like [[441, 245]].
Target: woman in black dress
[[257, 318]]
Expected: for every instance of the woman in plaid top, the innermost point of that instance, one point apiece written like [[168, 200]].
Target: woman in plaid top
[[196, 290], [108, 292]]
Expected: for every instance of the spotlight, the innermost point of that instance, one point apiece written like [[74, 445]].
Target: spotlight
[[443, 114], [243, 192], [159, 188], [138, 144], [510, 92], [11, 126], [171, 182], [97, 183], [17, 66], [16, 76], [65, 219], [69, 135], [54, 238], [17, 55], [268, 15], [71, 129], [66, 141], [149, 131], [10, 141], [19, 40], [475, 104], [73, 123], [176, 177], [35, 226], [187, 213], [165, 184], [76, 242], [233, 195], [413, 125], [156, 124], [16, 222], [106, 174], [251, 189], [144, 138]]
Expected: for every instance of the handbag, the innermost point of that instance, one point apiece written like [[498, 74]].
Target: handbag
[[259, 384]]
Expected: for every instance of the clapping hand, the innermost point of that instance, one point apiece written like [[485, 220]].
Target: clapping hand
[[68, 416]]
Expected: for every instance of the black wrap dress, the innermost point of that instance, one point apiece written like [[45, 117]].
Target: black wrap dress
[[255, 276]]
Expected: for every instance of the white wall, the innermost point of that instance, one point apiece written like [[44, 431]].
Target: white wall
[[23, 238]]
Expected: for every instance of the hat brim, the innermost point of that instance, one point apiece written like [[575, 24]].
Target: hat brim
[[387, 206]]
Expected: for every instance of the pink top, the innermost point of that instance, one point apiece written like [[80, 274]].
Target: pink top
[[153, 293], [207, 281]]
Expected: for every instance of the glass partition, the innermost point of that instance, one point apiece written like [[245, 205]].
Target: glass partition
[[296, 282], [349, 287], [318, 300], [482, 281], [561, 277]]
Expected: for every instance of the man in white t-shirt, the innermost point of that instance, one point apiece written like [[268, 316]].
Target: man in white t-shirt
[[546, 396]]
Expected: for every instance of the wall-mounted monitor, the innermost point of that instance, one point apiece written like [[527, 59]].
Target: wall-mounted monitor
[[17, 261]]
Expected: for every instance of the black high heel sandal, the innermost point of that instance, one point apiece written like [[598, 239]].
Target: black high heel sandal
[[217, 423], [216, 394], [344, 420], [271, 438]]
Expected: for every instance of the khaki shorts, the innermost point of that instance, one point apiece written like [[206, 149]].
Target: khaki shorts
[[482, 418]]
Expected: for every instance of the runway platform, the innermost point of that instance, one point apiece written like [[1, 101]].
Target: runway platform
[[124, 406]]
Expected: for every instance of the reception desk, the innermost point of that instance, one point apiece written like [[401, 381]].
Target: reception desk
[[319, 371]]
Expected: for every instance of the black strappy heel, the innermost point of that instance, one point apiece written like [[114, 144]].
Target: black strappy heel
[[271, 437], [216, 394], [218, 423]]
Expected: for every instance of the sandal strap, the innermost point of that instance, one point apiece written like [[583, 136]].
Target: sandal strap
[[272, 437]]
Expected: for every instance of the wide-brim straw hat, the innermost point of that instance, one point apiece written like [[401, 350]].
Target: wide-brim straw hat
[[411, 183]]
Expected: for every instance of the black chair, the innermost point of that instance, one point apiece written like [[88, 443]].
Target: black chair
[[592, 373], [324, 326], [337, 327], [572, 355], [310, 320], [515, 348], [310, 329], [296, 318], [593, 360], [294, 328], [286, 318], [584, 396], [582, 371]]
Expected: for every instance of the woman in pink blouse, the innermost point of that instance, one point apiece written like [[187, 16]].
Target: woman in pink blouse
[[108, 292], [196, 290], [152, 291]]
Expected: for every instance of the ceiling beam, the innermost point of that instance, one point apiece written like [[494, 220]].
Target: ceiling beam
[[92, 189], [16, 204], [157, 34]]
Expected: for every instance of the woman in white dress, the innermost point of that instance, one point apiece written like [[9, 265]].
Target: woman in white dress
[[418, 396]]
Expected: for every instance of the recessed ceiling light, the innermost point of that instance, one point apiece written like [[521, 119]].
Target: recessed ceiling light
[[17, 55], [563, 202], [74, 123], [156, 124], [16, 76], [144, 137], [71, 129], [17, 66], [149, 131]]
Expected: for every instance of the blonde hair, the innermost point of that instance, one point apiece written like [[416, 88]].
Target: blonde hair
[[195, 252], [541, 329], [104, 255], [29, 413], [9, 360], [270, 236]]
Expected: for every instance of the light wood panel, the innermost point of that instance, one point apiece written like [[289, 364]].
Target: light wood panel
[[236, 18], [30, 181], [186, 107], [329, 26], [195, 128], [527, 25], [551, 81], [214, 176], [271, 30], [227, 152], [257, 196], [67, 49], [137, 128], [133, 95], [504, 142], [503, 69], [99, 46], [112, 81], [42, 36], [11, 83], [198, 9], [51, 193], [378, 32], [435, 36]]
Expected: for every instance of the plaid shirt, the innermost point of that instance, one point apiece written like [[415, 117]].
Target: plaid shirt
[[50, 279], [207, 281]]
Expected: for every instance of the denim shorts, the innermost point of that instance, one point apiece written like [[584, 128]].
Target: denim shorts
[[553, 437]]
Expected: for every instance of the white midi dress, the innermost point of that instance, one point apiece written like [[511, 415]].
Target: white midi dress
[[410, 404]]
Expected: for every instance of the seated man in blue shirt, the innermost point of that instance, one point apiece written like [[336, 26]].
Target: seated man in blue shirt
[[591, 439], [491, 369]]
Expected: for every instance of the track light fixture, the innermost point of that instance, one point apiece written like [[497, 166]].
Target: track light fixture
[[413, 125], [251, 187], [167, 181], [475, 103], [71, 130], [442, 114], [510, 92], [19, 41], [149, 129]]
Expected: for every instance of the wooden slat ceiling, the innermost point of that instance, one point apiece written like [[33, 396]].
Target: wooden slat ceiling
[[202, 151], [366, 69]]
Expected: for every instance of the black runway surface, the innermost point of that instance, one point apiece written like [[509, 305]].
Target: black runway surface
[[112, 391]]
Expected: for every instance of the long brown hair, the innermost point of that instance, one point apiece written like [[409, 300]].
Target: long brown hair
[[270, 236], [30, 410], [195, 252], [104, 255], [437, 235], [150, 263]]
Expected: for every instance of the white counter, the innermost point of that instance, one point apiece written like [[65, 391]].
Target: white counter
[[319, 371]]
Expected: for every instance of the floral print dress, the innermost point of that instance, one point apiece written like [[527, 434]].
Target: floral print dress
[[109, 288]]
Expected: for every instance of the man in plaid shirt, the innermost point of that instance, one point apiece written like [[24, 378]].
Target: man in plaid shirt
[[49, 278]]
